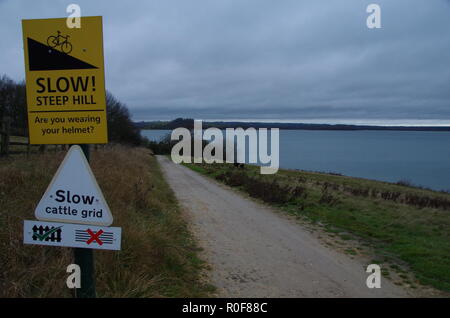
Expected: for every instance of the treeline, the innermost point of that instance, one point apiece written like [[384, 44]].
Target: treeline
[[165, 145], [13, 105], [188, 123], [169, 125], [121, 128]]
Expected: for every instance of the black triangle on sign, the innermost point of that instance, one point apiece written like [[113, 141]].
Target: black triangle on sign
[[44, 58]]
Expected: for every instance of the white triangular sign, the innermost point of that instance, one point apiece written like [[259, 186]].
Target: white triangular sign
[[74, 196]]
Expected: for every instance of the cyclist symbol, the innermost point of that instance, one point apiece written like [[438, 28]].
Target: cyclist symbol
[[60, 40]]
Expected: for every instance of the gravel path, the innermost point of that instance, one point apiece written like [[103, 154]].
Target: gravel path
[[255, 252]]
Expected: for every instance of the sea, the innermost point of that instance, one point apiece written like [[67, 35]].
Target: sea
[[419, 157]]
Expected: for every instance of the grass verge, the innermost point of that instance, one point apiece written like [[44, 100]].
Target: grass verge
[[158, 256], [404, 225]]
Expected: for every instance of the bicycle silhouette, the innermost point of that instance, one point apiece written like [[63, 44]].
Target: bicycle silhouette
[[60, 40]]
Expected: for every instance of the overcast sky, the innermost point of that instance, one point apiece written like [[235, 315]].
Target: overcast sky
[[288, 60]]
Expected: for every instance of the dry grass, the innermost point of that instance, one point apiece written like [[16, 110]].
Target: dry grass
[[405, 225], [158, 256]]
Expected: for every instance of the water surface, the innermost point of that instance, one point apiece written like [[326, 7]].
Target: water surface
[[420, 157]]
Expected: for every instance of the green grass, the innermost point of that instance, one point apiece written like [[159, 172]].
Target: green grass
[[159, 257], [399, 222]]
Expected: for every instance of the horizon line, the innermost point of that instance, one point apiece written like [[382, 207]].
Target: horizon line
[[350, 122]]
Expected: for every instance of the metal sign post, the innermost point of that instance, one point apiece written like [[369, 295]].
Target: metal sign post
[[66, 104], [73, 213], [85, 258]]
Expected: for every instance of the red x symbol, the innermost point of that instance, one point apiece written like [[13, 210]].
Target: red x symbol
[[94, 237]]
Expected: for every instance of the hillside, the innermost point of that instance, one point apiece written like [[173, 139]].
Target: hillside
[[158, 256], [402, 228]]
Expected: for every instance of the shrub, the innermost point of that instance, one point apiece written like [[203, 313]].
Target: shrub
[[328, 198], [271, 192]]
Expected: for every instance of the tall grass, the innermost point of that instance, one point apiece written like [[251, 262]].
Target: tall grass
[[403, 224], [158, 256]]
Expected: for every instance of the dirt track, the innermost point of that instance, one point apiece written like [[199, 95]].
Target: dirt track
[[255, 252]]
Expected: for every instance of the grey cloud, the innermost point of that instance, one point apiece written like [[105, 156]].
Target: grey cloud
[[263, 59]]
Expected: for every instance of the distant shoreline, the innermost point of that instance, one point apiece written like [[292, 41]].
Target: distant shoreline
[[188, 123]]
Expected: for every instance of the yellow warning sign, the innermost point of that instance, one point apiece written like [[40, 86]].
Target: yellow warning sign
[[65, 81]]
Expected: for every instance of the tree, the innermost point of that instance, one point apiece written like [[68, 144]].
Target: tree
[[13, 104], [120, 127]]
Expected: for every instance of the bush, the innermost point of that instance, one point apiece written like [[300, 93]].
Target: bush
[[271, 192], [120, 127]]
